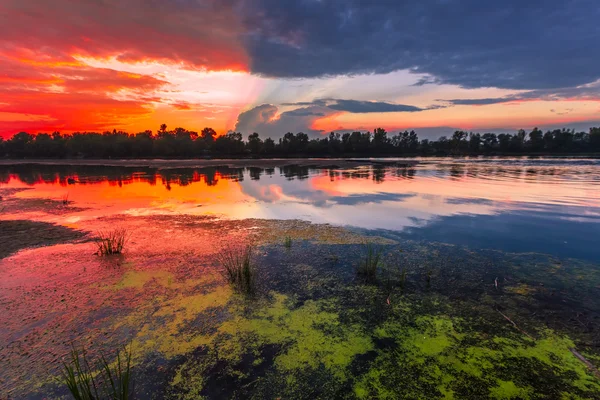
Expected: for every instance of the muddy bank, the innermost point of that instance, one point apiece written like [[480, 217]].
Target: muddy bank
[[22, 234], [231, 163]]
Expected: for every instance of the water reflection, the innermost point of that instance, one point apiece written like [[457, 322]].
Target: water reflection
[[499, 203]]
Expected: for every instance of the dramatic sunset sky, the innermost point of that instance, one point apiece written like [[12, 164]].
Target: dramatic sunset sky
[[274, 66]]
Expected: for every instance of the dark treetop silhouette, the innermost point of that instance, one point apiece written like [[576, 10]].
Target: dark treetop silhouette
[[182, 143]]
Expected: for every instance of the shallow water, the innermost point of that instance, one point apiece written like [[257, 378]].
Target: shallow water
[[466, 246], [515, 204]]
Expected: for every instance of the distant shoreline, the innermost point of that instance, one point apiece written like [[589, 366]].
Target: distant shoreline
[[206, 163]]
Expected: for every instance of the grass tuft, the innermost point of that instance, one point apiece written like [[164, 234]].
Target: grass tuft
[[99, 380], [111, 242], [403, 279], [287, 242], [370, 263], [238, 268]]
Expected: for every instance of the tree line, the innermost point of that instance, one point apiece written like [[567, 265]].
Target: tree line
[[181, 142]]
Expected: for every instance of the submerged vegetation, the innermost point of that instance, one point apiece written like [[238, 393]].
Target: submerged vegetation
[[238, 268], [99, 379], [316, 333], [439, 322], [111, 242]]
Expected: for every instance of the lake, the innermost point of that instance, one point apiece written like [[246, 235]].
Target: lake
[[486, 282]]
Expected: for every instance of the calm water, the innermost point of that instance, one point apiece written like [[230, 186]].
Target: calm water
[[460, 321], [546, 205]]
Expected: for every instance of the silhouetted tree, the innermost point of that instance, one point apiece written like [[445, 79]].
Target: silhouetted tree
[[181, 142], [254, 144], [536, 140]]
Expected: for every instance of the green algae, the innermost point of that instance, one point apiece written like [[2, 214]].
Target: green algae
[[313, 335], [308, 337], [363, 341], [138, 279], [508, 390], [450, 364]]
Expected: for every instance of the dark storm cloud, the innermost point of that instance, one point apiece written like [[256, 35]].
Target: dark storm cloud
[[516, 44], [534, 44]]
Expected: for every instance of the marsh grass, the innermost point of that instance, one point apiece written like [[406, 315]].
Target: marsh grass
[[287, 242], [402, 279], [238, 268], [99, 380], [428, 275], [370, 263], [111, 242]]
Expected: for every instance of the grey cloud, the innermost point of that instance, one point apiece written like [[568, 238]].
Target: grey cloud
[[359, 106], [537, 44], [480, 102], [589, 91], [355, 106], [263, 119]]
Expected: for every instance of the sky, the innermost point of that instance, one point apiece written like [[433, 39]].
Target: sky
[[316, 66]]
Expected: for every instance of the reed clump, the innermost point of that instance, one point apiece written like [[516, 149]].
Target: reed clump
[[287, 242], [111, 242], [99, 379], [370, 263], [238, 268]]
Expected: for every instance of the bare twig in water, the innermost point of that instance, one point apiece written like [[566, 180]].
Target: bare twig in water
[[516, 326], [588, 364]]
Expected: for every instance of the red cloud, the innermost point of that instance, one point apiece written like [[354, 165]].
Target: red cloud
[[198, 36], [49, 94], [41, 75]]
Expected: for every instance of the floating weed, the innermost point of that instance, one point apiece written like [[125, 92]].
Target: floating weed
[[370, 263], [99, 380], [111, 242], [238, 268]]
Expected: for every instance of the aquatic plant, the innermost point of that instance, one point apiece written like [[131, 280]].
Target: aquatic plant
[[111, 242], [65, 199], [287, 242], [402, 280], [238, 268], [428, 277], [98, 380], [370, 264]]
